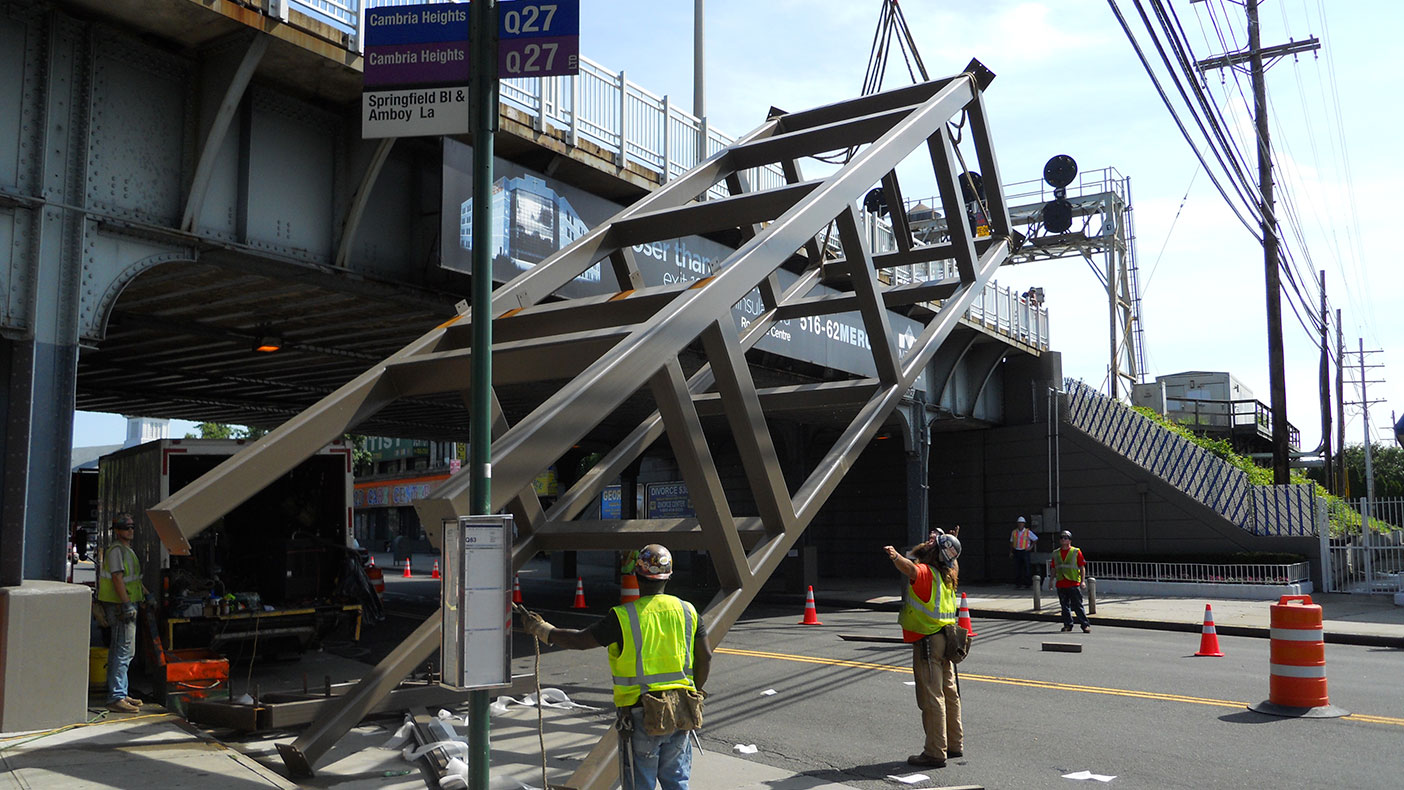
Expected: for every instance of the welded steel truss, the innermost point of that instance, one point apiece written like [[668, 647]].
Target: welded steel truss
[[612, 348]]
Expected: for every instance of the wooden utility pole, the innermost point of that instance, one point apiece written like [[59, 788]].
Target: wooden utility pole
[[1342, 484], [1325, 390], [1258, 58]]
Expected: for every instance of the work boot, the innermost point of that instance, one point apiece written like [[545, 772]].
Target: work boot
[[925, 760], [1086, 629], [122, 706], [135, 701], [1066, 628]]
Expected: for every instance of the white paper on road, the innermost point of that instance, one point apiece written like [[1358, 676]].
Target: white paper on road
[[745, 748], [909, 682], [1085, 775], [909, 779], [768, 693]]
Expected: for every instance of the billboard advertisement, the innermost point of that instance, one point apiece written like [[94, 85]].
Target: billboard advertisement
[[533, 216]]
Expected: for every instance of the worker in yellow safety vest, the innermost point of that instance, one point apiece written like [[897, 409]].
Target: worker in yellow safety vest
[[119, 592], [928, 606], [1067, 568], [659, 658]]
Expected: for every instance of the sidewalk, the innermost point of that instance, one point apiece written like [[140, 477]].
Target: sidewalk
[[155, 749]]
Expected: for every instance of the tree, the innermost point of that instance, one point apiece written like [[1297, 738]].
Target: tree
[[218, 430], [1386, 461]]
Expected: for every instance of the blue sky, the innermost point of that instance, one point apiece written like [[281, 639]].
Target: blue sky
[[1069, 82]]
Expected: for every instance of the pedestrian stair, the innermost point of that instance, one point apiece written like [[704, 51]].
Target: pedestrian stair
[[1288, 510]]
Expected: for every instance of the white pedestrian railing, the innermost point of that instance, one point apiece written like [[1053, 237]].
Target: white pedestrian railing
[[1202, 573]]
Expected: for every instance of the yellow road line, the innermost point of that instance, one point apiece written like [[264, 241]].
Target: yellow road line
[[1039, 684]]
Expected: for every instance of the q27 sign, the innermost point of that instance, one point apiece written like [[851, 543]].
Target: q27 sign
[[538, 38]]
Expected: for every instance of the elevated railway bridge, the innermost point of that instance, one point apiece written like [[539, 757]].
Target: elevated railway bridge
[[183, 182]]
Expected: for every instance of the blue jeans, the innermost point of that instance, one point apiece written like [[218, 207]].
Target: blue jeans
[[1070, 600], [649, 760], [120, 652]]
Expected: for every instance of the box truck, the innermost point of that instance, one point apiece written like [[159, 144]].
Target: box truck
[[280, 570]]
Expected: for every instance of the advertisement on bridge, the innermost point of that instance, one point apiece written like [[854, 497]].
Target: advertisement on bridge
[[534, 216]]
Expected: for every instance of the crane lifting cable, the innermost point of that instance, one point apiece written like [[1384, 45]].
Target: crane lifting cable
[[892, 25]]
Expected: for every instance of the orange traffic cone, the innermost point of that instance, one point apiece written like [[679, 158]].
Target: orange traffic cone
[[407, 573], [516, 589], [963, 618], [372, 560], [435, 573], [811, 615], [628, 588], [1209, 640], [579, 594]]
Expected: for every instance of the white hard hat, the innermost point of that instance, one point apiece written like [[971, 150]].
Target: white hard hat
[[1020, 519]]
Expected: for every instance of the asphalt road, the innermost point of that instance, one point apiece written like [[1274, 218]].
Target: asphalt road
[[1135, 704]]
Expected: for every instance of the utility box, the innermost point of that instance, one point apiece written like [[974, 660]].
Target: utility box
[[1204, 399]]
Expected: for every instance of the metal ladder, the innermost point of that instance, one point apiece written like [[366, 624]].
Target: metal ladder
[[630, 344]]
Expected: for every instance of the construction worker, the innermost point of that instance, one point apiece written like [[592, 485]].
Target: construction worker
[[1067, 567], [658, 656], [1021, 545], [119, 591], [928, 605]]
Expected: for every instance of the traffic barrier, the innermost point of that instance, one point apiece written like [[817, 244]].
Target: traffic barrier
[[1297, 672], [963, 619], [579, 594], [1209, 638], [407, 573], [434, 574], [811, 615], [628, 588], [516, 589]]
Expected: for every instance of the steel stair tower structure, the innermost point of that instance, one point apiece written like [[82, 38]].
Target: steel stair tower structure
[[587, 357]]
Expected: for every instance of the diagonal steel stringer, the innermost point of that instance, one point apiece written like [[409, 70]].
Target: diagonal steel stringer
[[611, 348]]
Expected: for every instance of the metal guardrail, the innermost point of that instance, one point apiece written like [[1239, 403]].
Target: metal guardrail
[[1227, 415], [1355, 568], [1191, 572]]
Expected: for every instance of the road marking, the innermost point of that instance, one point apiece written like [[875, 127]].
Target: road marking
[[1039, 684]]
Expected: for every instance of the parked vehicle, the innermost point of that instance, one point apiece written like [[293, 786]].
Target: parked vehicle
[[280, 569]]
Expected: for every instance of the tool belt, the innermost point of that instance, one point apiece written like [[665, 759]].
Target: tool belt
[[671, 710], [958, 642]]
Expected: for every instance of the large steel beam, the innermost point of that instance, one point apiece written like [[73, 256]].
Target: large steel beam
[[619, 346]]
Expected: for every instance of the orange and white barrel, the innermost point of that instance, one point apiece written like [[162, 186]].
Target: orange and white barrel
[[1297, 656]]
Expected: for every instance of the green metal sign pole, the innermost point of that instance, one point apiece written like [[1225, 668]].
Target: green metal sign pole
[[483, 93]]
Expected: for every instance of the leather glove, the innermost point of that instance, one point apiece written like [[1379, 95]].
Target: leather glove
[[128, 613], [535, 625]]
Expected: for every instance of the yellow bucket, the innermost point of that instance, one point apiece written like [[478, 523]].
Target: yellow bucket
[[97, 666]]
